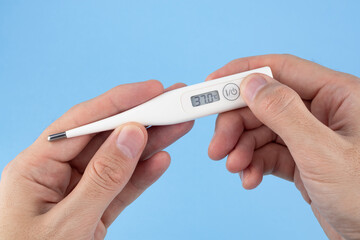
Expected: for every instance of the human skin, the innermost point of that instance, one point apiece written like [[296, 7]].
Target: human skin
[[75, 188], [302, 126]]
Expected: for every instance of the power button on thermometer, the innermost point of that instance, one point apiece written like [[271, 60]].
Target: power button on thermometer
[[231, 91]]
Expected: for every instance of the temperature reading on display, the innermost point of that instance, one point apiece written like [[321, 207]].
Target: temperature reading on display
[[205, 98]]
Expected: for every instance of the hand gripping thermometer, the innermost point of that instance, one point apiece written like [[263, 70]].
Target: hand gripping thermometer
[[176, 106]]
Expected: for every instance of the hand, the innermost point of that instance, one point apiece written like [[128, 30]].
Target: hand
[[75, 188], [303, 127]]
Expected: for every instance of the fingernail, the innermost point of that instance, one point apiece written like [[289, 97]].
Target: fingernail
[[130, 141], [253, 85]]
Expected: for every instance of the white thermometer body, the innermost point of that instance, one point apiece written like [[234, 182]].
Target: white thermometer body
[[176, 106]]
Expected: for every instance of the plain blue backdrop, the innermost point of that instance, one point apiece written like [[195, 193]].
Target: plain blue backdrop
[[54, 54]]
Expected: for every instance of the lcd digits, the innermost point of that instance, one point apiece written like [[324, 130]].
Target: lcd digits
[[205, 98]]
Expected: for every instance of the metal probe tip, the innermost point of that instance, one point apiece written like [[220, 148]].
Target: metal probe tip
[[56, 136]]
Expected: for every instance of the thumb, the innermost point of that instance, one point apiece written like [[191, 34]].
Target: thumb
[[107, 173], [282, 110]]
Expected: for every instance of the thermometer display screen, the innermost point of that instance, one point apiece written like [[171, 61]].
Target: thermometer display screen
[[205, 98]]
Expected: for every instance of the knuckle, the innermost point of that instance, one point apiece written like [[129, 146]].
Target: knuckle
[[79, 107], [9, 169], [6, 168], [5, 171], [156, 82], [75, 107], [109, 172], [278, 100], [354, 82], [288, 55], [243, 62], [75, 111], [235, 61], [101, 231]]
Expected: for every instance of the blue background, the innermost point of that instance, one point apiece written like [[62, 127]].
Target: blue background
[[54, 54]]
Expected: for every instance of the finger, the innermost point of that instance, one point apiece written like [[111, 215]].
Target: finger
[[283, 111], [112, 102], [249, 141], [272, 159], [304, 76], [74, 180], [100, 231], [228, 128], [83, 158], [146, 173], [106, 175], [159, 137]]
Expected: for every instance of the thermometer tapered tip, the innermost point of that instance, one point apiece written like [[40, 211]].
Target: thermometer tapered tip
[[56, 136]]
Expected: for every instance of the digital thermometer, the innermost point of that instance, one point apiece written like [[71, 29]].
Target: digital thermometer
[[176, 106]]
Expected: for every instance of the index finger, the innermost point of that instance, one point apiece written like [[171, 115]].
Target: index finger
[[304, 76], [112, 102]]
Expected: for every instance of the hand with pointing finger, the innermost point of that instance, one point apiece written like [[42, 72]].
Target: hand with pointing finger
[[302, 126], [74, 189]]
